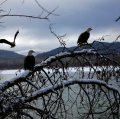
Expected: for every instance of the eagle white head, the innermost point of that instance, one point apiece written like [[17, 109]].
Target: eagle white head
[[88, 30], [30, 52]]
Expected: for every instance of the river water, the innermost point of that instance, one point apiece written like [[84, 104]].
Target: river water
[[6, 76]]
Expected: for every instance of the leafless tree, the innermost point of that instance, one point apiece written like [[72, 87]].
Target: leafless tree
[[59, 91], [59, 86]]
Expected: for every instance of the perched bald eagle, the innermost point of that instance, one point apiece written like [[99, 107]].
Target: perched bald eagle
[[12, 44], [84, 37], [29, 61]]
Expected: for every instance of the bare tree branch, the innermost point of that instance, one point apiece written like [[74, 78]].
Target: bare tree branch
[[46, 10], [3, 2], [16, 15], [117, 19]]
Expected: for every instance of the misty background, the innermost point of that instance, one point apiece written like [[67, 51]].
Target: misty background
[[74, 18]]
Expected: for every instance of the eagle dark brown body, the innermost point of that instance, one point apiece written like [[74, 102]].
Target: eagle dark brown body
[[29, 61], [83, 38]]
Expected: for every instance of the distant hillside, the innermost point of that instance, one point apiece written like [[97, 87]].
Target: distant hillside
[[5, 54], [53, 52], [112, 46]]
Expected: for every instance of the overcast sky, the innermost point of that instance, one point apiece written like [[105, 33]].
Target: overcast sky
[[75, 16]]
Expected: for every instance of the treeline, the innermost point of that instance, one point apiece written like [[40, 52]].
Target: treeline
[[84, 61], [17, 63], [67, 62]]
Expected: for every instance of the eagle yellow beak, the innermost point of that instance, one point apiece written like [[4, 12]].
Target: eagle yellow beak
[[33, 51], [91, 29]]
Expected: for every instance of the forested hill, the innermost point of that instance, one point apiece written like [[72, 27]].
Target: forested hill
[[111, 46], [5, 54]]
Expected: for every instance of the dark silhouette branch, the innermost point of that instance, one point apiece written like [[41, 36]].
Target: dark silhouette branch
[[47, 62], [3, 2], [46, 10], [16, 15], [51, 89], [117, 19], [62, 42]]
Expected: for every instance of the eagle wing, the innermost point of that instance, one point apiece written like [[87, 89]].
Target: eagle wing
[[15, 35], [12, 44], [6, 42], [33, 61], [83, 37]]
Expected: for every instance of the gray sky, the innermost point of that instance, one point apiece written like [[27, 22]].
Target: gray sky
[[75, 17]]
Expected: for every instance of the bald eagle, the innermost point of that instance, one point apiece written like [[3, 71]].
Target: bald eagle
[[29, 61], [84, 37], [12, 44]]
